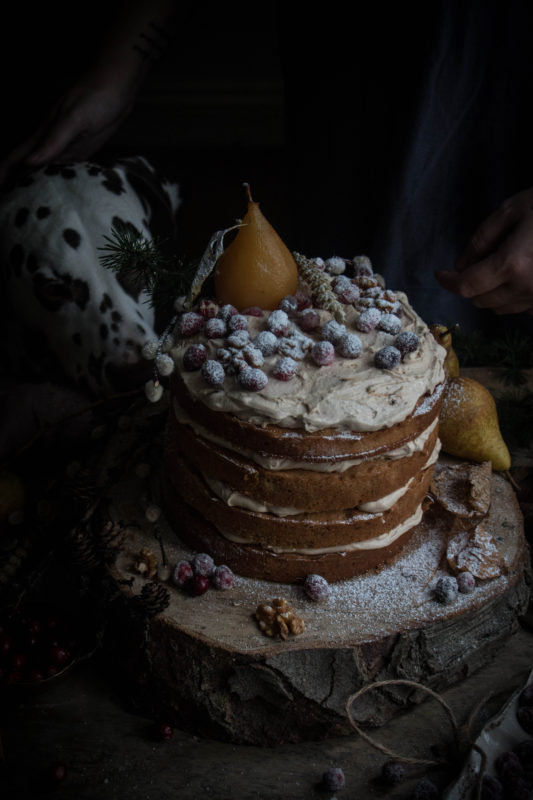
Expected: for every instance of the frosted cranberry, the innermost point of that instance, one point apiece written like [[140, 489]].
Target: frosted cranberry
[[253, 379], [237, 322], [252, 311], [267, 342], [253, 356], [309, 319], [407, 342], [190, 323], [390, 324], [525, 697], [332, 331], [165, 731], [392, 772], [181, 574], [207, 308], [202, 564], [238, 339], [57, 772], [507, 765], [6, 643], [223, 578], [289, 304], [319, 263], [387, 358], [285, 369], [303, 300], [524, 751], [466, 583], [323, 354], [198, 585], [519, 789], [59, 656], [34, 676], [335, 265], [227, 311], [278, 322], [316, 588], [333, 779], [213, 373], [524, 716], [194, 356], [215, 328], [348, 294], [446, 590], [349, 346], [18, 660], [368, 320], [425, 790]]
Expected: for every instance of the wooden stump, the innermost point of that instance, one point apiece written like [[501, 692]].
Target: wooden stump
[[204, 663]]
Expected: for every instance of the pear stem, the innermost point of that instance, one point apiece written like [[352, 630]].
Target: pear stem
[[248, 192]]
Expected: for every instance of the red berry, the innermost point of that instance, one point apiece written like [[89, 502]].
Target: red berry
[[57, 772], [227, 311], [309, 319], [285, 369], [203, 564], [278, 322], [198, 585], [323, 353], [526, 696], [332, 331], [190, 323], [303, 300], [333, 779], [207, 308], [18, 661], [253, 379], [59, 656], [348, 294], [215, 328], [387, 358], [289, 304], [34, 676], [368, 320], [349, 346], [182, 574], [165, 731], [223, 577], [194, 356], [213, 372], [252, 311], [237, 322], [6, 643], [316, 588]]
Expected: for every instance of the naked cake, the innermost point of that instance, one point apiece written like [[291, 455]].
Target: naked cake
[[302, 439]]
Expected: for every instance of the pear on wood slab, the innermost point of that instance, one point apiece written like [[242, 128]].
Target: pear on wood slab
[[469, 426], [257, 268], [443, 335]]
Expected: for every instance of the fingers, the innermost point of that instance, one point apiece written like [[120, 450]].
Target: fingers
[[489, 234], [477, 279]]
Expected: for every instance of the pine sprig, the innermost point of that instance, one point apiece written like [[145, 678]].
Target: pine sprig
[[511, 353]]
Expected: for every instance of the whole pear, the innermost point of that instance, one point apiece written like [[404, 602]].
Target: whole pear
[[469, 426], [257, 268], [443, 335]]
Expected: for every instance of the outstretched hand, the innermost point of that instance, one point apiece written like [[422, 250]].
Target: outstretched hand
[[495, 271]]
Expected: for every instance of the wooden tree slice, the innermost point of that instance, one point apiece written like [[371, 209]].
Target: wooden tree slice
[[204, 663]]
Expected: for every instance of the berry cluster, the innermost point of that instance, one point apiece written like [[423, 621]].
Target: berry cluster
[[34, 645], [514, 774], [200, 573]]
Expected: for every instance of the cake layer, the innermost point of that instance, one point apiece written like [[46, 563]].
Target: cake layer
[[332, 529], [256, 562], [366, 482], [324, 445]]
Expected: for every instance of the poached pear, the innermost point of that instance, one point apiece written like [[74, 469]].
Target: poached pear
[[257, 268], [443, 335], [469, 426]]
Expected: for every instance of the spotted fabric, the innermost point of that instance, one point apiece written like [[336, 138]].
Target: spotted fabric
[[63, 312]]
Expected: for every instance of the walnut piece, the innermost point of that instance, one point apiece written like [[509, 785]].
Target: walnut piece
[[277, 619], [146, 563], [475, 551], [463, 489]]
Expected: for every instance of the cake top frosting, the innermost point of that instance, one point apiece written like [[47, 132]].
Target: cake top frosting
[[299, 367]]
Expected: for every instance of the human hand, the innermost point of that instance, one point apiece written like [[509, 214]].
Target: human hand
[[495, 271]]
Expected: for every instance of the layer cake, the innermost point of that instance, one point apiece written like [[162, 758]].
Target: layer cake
[[302, 440]]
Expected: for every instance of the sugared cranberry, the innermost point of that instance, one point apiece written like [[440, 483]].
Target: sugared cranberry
[[164, 731], [491, 788], [237, 322], [425, 790], [57, 772], [213, 373], [368, 320], [267, 342], [223, 578], [6, 643], [332, 331], [215, 328], [278, 322], [323, 354], [407, 342], [333, 779], [303, 300], [349, 346], [319, 263], [207, 308], [60, 656], [253, 379], [239, 339], [446, 590], [190, 323], [466, 583], [181, 574], [308, 320], [285, 369], [316, 588], [252, 311], [392, 772], [198, 585], [227, 311], [519, 788], [524, 716], [18, 661], [289, 304], [390, 323], [507, 765], [335, 265], [387, 358], [194, 356], [202, 564], [524, 751], [525, 698]]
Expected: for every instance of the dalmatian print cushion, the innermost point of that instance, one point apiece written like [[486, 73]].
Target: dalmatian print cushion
[[63, 311]]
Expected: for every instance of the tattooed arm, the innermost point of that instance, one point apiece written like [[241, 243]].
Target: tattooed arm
[[496, 269], [92, 109]]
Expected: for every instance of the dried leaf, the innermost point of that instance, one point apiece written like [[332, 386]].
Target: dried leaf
[[476, 552], [212, 253]]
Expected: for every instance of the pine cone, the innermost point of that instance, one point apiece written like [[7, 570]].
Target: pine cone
[[109, 538], [85, 553], [154, 598]]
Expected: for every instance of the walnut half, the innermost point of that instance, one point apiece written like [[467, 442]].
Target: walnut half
[[277, 619]]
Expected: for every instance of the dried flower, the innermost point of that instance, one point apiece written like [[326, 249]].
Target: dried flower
[[320, 286]]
